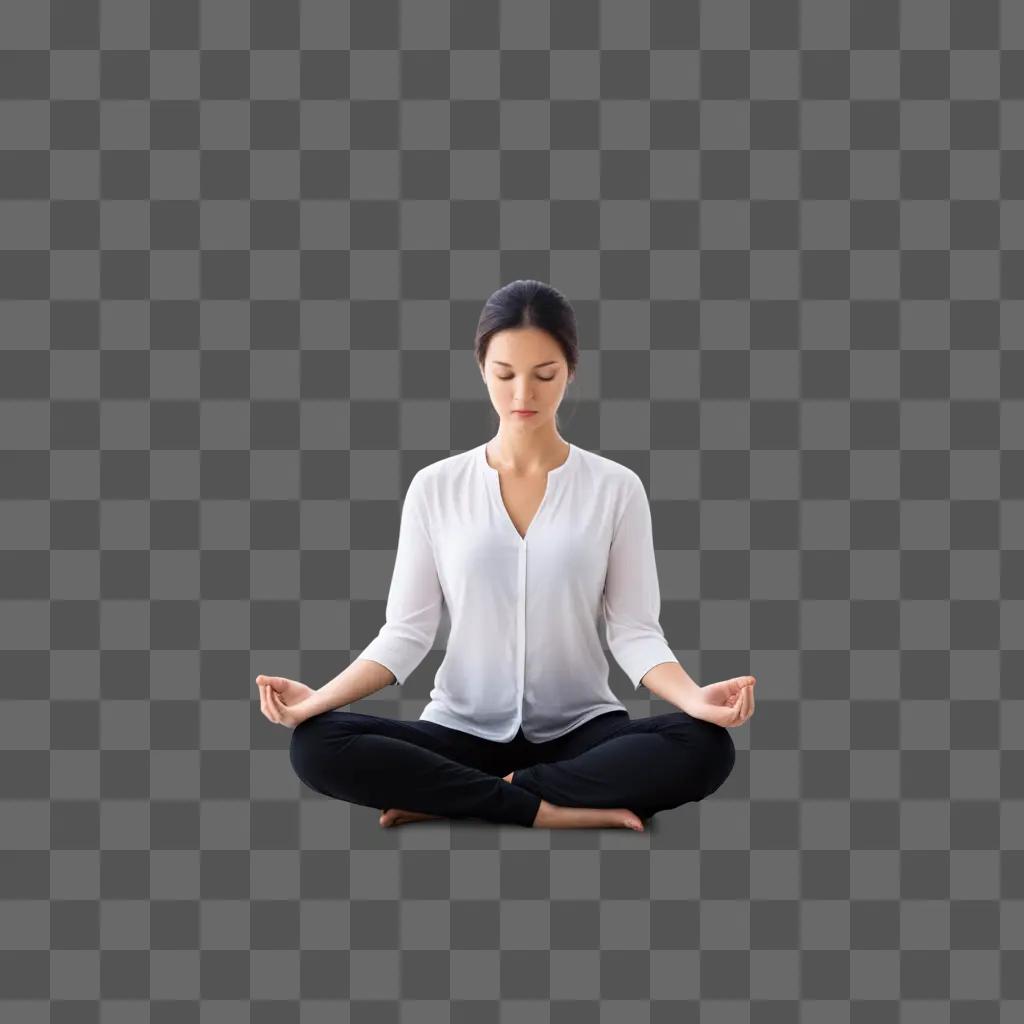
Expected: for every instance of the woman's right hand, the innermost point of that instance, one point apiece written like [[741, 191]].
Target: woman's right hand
[[282, 700]]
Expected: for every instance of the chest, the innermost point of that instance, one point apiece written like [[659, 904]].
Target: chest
[[521, 497]]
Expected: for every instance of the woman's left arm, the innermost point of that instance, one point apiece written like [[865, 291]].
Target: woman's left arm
[[632, 602]]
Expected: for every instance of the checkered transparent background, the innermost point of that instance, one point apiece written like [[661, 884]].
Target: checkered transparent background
[[243, 248]]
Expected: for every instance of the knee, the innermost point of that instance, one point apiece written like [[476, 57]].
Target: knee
[[307, 751], [720, 756], [706, 758]]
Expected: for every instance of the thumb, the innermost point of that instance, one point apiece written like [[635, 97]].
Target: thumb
[[718, 695]]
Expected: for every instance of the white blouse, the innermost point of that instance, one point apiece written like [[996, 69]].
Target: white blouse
[[523, 646]]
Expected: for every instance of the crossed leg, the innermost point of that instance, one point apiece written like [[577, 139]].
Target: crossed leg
[[610, 763], [418, 766], [646, 765]]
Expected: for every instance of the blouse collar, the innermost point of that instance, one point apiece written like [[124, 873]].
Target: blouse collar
[[569, 459]]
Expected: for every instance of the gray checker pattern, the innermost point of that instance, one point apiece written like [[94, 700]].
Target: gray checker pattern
[[243, 247]]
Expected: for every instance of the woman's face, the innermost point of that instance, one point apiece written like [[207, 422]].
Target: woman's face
[[525, 368]]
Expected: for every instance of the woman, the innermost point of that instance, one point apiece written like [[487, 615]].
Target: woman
[[529, 541]]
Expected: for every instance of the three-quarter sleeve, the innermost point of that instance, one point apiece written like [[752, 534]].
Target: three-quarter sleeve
[[632, 599], [415, 599]]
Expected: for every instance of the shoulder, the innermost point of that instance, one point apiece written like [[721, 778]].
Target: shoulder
[[610, 476], [449, 465], [429, 483], [444, 469]]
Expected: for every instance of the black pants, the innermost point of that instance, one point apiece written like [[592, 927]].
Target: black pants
[[647, 765]]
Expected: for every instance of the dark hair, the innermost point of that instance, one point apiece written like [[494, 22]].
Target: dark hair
[[528, 303]]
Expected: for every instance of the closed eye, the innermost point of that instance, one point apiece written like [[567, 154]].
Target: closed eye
[[539, 378]]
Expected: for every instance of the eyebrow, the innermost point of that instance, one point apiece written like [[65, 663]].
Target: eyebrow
[[548, 363]]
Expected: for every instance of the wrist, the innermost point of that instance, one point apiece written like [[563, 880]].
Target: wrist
[[310, 707], [689, 700]]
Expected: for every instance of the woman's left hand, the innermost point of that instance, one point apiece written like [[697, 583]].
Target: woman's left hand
[[729, 703]]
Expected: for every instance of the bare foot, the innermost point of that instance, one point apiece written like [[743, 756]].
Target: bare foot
[[396, 816], [554, 816]]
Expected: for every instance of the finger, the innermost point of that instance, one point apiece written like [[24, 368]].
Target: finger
[[277, 686], [264, 705], [733, 709], [741, 700], [747, 702], [741, 706], [275, 715], [278, 704], [271, 694], [280, 687], [285, 714]]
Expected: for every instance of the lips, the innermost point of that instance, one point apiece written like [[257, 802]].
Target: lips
[[524, 412]]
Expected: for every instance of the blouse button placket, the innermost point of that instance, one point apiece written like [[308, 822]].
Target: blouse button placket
[[521, 627]]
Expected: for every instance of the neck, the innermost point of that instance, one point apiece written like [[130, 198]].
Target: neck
[[527, 451]]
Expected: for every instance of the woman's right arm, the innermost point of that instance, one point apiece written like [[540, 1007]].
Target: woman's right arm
[[415, 598], [412, 615]]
